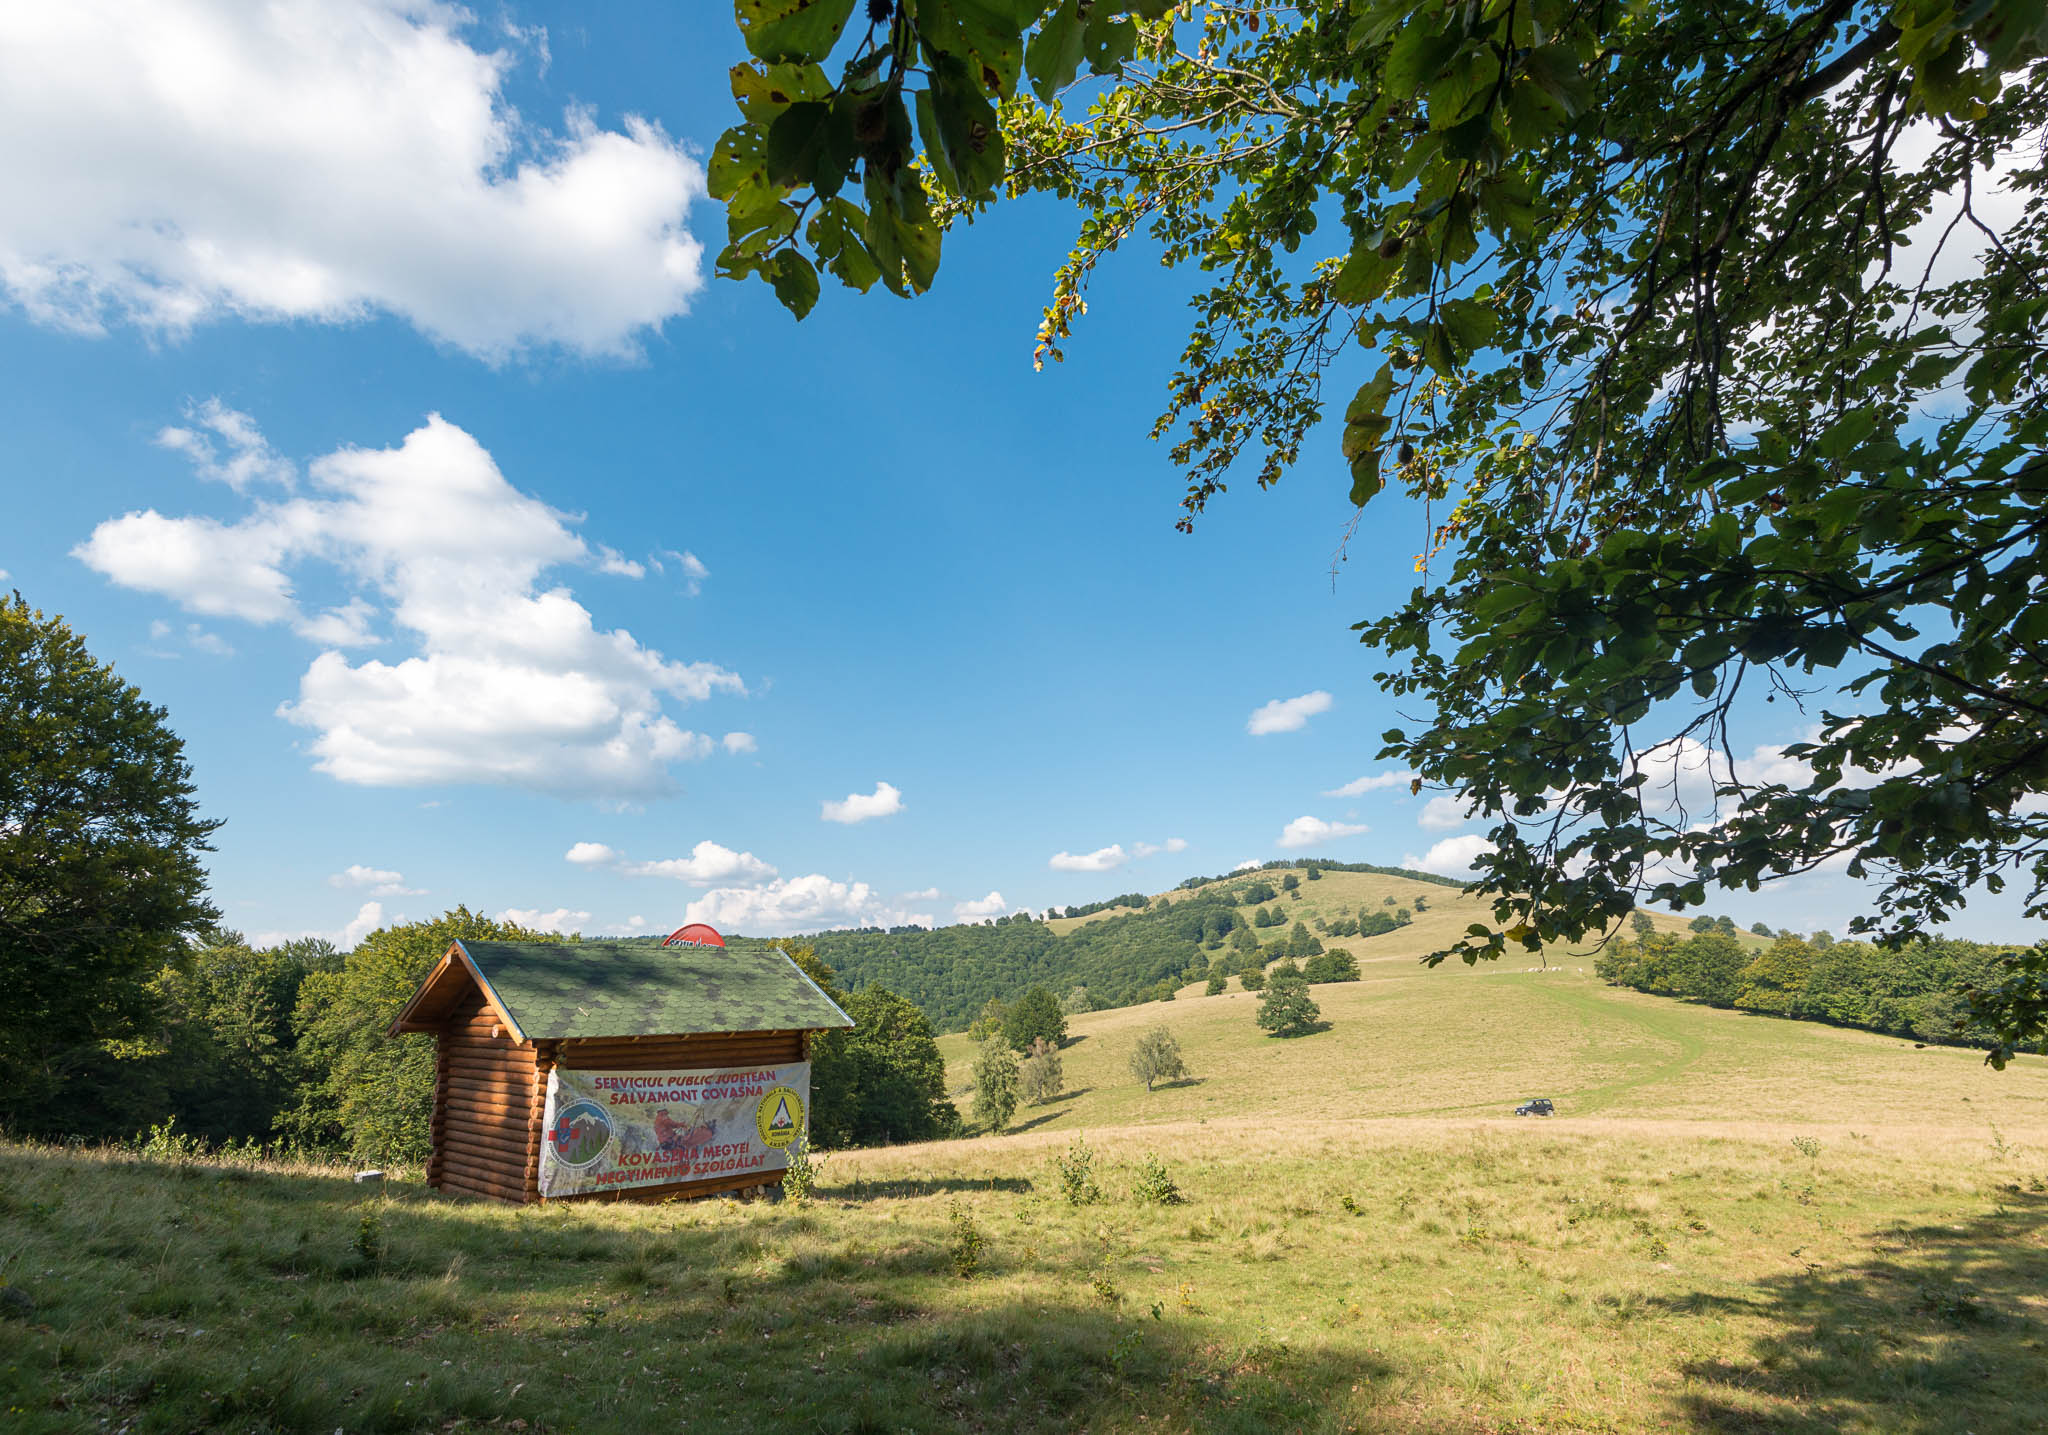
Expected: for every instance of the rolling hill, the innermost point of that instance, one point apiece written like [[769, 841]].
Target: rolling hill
[[1123, 955]]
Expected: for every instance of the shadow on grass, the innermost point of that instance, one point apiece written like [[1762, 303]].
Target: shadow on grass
[[776, 1318], [925, 1186], [1934, 1329]]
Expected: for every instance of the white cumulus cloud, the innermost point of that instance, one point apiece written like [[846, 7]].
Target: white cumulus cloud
[[168, 163], [925, 894], [249, 458], [1103, 859], [1359, 786], [1288, 714], [1452, 857], [1314, 831], [382, 883], [1440, 814], [992, 905], [1148, 849], [562, 919], [590, 854], [708, 863], [1250, 864], [798, 904], [738, 742], [512, 682], [884, 801]]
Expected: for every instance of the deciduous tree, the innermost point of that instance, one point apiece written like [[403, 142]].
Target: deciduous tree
[[1157, 1057], [1553, 253], [100, 876]]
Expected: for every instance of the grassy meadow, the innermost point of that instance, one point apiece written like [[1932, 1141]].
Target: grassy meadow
[[1736, 1224], [1444, 918]]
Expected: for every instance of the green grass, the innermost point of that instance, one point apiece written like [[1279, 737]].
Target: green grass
[[1737, 1224], [1411, 1276], [1457, 1041]]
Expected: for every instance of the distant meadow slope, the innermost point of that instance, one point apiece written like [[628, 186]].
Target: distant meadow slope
[[1123, 955], [1457, 1042]]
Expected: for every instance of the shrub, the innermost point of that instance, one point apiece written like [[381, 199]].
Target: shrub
[[1254, 975], [1155, 1185], [1335, 965], [800, 1178], [1157, 1058], [969, 1241], [1076, 1168], [1217, 982], [1039, 1077]]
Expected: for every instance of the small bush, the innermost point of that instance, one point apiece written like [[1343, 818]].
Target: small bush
[[969, 1241], [1155, 1185], [1076, 1167], [801, 1177], [369, 1238]]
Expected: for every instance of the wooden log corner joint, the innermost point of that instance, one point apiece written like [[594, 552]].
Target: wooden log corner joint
[[616, 1070]]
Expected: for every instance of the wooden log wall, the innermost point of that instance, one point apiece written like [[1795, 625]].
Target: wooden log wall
[[490, 1096], [485, 1111]]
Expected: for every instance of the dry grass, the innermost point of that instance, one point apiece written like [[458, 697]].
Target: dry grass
[[1409, 1275], [1408, 1041]]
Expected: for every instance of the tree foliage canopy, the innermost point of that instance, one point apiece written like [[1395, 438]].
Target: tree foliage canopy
[[100, 876], [1711, 335]]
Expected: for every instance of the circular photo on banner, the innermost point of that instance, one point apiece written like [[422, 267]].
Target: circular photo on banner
[[780, 1116], [582, 1132]]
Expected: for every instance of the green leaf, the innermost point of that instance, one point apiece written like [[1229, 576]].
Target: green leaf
[[835, 236], [1055, 54], [1847, 433], [798, 30], [795, 281], [1365, 274], [900, 234], [934, 139], [968, 130], [765, 91], [985, 36], [1419, 53], [738, 161], [1555, 70], [1437, 350], [1110, 40], [810, 143], [1471, 324], [1365, 432]]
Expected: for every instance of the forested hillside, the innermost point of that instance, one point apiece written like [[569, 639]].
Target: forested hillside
[[1135, 948]]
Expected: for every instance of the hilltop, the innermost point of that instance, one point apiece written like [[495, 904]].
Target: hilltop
[[1124, 954]]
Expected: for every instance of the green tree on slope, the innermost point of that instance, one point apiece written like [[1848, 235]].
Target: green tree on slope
[[1033, 1016], [1286, 1009], [100, 876]]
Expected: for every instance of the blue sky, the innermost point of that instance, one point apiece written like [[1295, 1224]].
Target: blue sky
[[373, 408]]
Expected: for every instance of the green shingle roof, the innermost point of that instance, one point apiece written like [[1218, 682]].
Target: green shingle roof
[[558, 990]]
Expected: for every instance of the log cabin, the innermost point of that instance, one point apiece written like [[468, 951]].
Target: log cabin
[[570, 1070]]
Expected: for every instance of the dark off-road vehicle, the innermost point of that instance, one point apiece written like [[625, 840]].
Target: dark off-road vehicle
[[1536, 1106]]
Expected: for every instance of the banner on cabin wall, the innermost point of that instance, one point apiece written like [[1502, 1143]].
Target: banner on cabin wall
[[613, 1130]]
